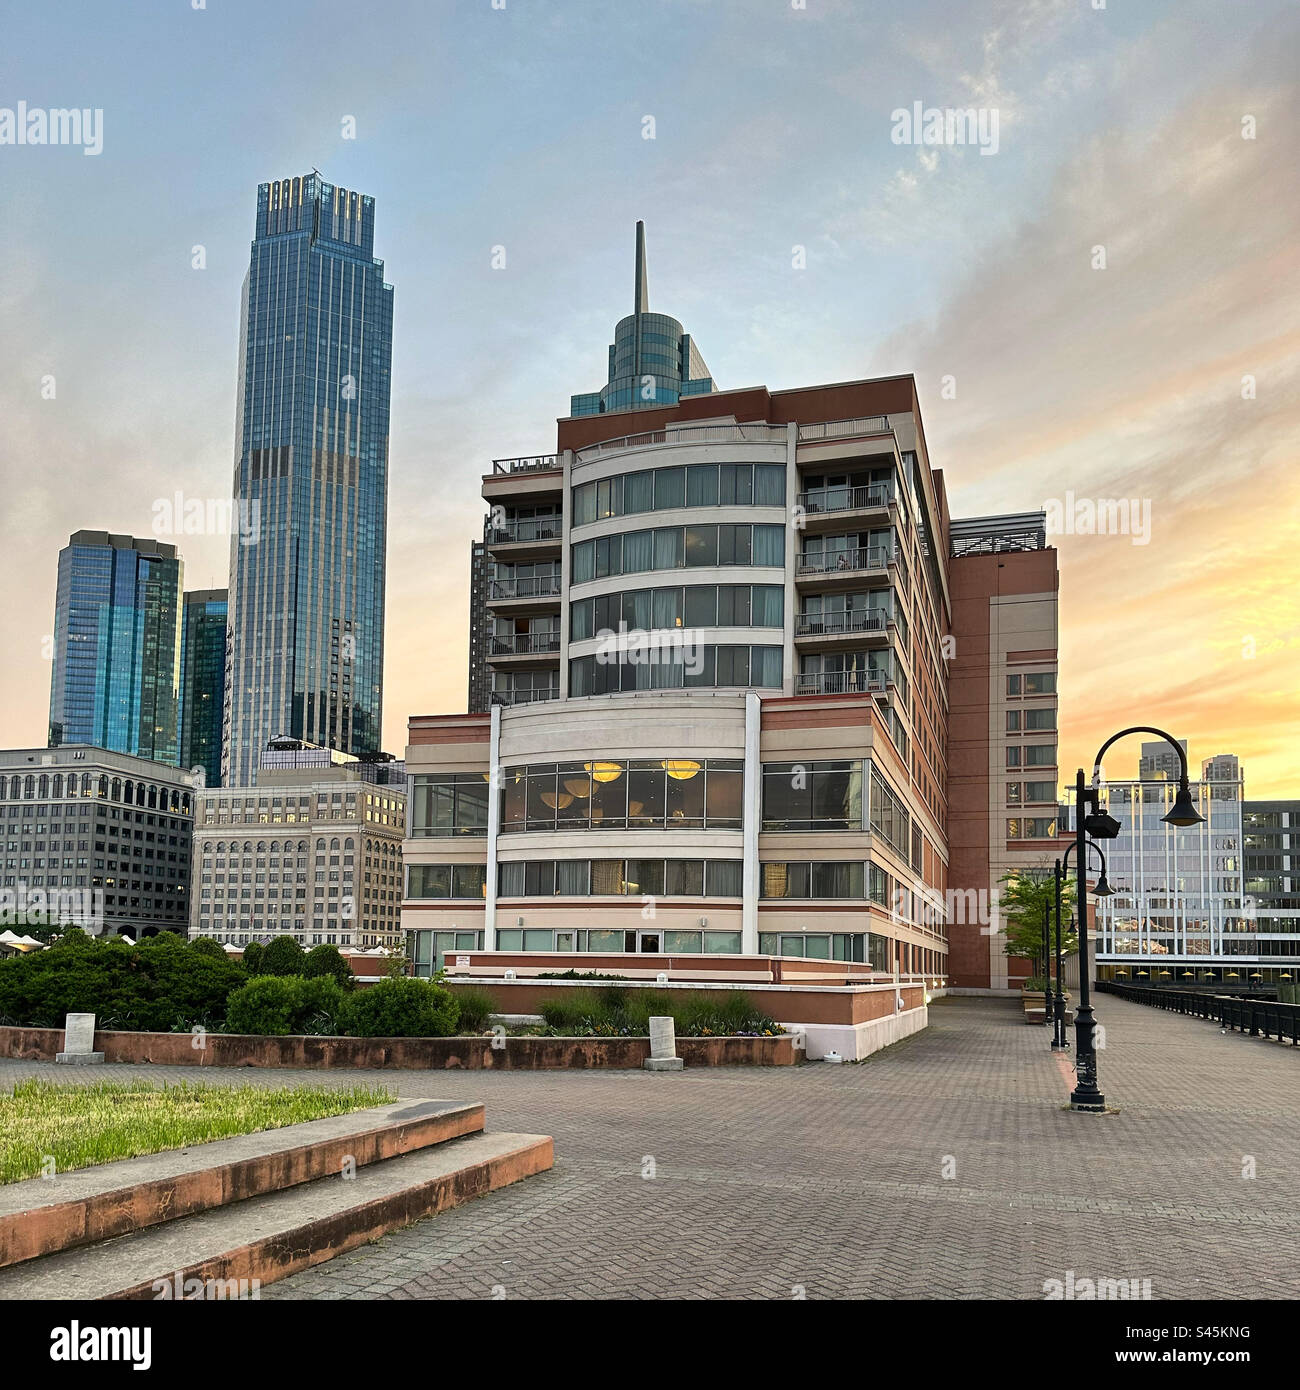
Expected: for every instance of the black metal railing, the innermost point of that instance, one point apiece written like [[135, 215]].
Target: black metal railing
[[1265, 1018]]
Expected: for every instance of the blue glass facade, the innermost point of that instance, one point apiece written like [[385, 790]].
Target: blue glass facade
[[117, 646], [652, 362], [306, 617], [203, 681]]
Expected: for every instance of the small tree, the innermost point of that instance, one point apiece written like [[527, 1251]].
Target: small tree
[[325, 960], [282, 956], [1027, 895], [253, 957], [205, 946]]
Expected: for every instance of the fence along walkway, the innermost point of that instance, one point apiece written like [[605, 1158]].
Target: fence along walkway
[[1259, 1017]]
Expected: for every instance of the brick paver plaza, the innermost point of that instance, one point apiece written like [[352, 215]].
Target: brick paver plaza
[[943, 1167]]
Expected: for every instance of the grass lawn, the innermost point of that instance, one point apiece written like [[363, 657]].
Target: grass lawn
[[79, 1125]]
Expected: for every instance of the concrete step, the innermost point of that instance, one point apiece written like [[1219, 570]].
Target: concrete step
[[270, 1237], [42, 1216]]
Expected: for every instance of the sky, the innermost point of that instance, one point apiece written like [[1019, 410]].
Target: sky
[[1106, 309]]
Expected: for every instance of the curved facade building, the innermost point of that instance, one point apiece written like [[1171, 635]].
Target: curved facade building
[[746, 700]]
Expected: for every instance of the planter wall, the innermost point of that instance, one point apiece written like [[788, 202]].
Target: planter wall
[[414, 1054]]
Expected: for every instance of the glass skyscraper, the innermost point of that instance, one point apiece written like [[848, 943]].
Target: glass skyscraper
[[306, 652], [203, 681], [117, 646], [652, 362]]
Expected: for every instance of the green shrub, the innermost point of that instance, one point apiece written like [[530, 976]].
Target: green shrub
[[280, 1005], [401, 1008], [475, 1005], [253, 957], [627, 1012], [326, 960], [159, 985], [282, 956], [205, 946]]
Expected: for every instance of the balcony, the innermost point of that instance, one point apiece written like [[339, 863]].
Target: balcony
[[540, 593], [525, 697], [536, 535], [827, 631], [522, 649], [685, 434], [826, 507], [843, 683], [856, 428], [837, 569], [534, 463]]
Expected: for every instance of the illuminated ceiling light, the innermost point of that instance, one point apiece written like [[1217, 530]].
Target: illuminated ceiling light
[[557, 801], [578, 786], [680, 769], [605, 772]]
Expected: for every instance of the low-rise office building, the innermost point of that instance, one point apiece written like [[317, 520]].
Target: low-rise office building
[[313, 851], [101, 839]]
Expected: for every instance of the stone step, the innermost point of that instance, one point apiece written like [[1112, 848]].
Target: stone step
[[42, 1216], [270, 1237]]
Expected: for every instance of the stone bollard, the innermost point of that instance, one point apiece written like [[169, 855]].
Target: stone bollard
[[79, 1041], [663, 1046]]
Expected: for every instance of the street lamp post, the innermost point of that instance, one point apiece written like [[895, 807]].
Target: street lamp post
[[1101, 889], [1086, 1096], [1047, 962]]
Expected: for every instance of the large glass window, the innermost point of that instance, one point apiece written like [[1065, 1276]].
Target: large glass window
[[669, 793], [699, 485], [678, 547], [889, 816], [812, 796], [446, 880], [449, 803], [813, 880]]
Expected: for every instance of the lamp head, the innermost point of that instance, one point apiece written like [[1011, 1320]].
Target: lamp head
[[1184, 812], [1102, 889], [1101, 826]]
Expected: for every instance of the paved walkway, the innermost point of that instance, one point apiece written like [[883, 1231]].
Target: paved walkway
[[944, 1167]]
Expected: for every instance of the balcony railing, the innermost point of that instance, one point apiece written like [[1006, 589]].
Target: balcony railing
[[844, 429], [537, 528], [546, 586], [525, 697], [870, 557], [828, 624], [525, 643], [535, 463], [846, 499], [686, 434], [869, 682]]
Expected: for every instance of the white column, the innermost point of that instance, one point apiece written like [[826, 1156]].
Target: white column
[[495, 783], [752, 814]]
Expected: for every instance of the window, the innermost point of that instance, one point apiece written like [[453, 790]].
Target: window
[[1038, 720], [1032, 828], [1041, 683], [1013, 721], [813, 880], [669, 793], [1013, 755], [1013, 793], [1013, 685], [1040, 755], [889, 816], [812, 796], [446, 881], [449, 803]]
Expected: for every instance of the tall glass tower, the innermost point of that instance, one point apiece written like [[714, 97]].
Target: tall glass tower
[[306, 649], [652, 362], [117, 646], [203, 681]]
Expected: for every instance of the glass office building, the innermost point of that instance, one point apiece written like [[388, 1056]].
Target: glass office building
[[203, 681], [311, 479], [117, 646], [652, 361]]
